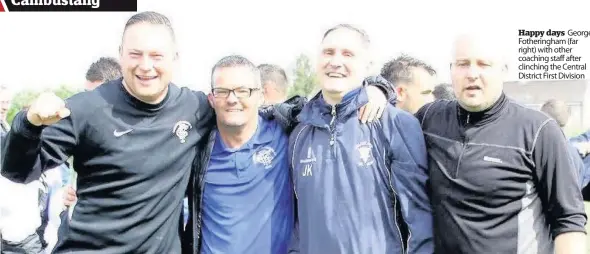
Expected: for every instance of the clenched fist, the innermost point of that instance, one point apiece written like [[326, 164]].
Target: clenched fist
[[47, 109]]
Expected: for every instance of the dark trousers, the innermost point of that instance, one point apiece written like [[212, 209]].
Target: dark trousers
[[64, 228], [30, 245]]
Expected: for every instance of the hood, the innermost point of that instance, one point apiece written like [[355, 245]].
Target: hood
[[319, 113]]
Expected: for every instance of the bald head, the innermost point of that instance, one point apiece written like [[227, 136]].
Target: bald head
[[484, 45], [478, 70]]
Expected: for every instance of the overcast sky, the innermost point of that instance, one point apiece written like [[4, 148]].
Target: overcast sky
[[48, 49]]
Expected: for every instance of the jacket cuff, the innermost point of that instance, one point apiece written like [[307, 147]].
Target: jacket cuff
[[385, 86], [574, 223], [285, 113], [22, 126]]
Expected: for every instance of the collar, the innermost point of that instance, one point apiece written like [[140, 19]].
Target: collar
[[480, 118], [319, 113], [136, 103], [264, 134]]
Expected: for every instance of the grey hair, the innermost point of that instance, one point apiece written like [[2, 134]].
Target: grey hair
[[235, 61], [104, 70], [275, 74], [153, 18], [400, 69], [362, 33]]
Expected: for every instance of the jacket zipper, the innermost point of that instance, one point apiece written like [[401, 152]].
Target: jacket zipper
[[332, 126], [204, 167], [464, 146], [395, 209]]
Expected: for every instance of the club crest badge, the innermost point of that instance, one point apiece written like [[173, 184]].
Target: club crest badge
[[365, 150], [264, 156], [181, 129]]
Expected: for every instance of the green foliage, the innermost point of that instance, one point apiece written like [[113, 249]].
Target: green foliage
[[65, 92], [569, 133], [305, 80], [25, 98]]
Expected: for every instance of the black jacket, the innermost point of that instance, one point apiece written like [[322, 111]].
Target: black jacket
[[502, 179]]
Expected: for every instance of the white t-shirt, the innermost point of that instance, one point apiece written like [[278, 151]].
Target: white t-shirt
[[20, 215]]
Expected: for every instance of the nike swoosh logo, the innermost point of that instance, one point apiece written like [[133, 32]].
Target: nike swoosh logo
[[121, 133]]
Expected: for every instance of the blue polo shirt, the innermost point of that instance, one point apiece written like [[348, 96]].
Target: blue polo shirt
[[248, 198]]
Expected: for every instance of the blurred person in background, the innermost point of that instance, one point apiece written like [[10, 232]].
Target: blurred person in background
[[20, 216], [443, 92], [274, 83], [582, 144], [21, 212], [413, 80], [5, 101], [102, 71], [560, 111]]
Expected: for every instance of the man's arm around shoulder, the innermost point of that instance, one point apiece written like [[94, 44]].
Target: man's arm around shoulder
[[285, 113], [558, 187], [410, 173]]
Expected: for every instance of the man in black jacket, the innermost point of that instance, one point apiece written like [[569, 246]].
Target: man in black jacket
[[502, 180]]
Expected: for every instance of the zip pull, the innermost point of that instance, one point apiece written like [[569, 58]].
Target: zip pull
[[332, 131], [333, 116], [468, 117]]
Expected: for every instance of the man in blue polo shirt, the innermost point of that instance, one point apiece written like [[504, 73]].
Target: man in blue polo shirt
[[243, 199], [247, 186]]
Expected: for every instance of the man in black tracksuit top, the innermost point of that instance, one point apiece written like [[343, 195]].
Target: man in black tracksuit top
[[133, 161], [133, 141], [501, 176]]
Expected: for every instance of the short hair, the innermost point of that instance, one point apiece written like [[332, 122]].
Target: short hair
[[557, 110], [235, 61], [400, 69], [104, 70], [362, 33], [275, 74], [150, 17], [443, 92]]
